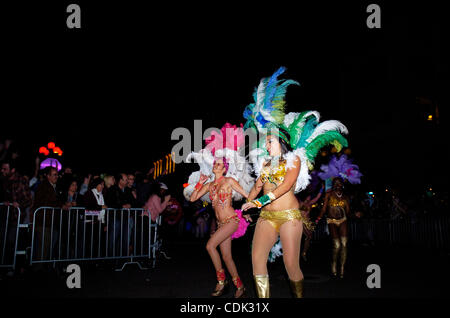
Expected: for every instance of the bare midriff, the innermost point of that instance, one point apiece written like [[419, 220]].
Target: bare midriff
[[284, 202]]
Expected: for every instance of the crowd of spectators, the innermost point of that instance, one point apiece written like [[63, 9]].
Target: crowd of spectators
[[96, 194], [135, 189]]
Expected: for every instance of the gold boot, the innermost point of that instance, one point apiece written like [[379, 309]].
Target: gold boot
[[334, 256], [297, 288], [343, 255], [262, 286]]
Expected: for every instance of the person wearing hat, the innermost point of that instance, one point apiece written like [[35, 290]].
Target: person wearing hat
[[157, 202]]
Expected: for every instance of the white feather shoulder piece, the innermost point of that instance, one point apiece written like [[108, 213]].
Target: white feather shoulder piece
[[303, 178], [238, 169]]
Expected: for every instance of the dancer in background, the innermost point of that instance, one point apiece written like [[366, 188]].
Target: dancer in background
[[306, 205], [337, 207], [281, 161]]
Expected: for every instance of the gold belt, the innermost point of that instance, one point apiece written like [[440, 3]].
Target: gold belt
[[227, 220], [336, 221]]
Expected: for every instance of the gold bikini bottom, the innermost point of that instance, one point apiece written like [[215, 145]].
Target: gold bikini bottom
[[336, 221], [278, 218]]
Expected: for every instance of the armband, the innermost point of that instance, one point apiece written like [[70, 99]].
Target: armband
[[198, 186], [262, 201], [257, 203]]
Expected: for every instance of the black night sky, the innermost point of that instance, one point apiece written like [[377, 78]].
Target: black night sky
[[111, 93]]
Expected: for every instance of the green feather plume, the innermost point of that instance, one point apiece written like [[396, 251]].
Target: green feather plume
[[330, 137]]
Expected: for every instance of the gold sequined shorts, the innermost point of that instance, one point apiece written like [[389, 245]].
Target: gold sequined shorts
[[278, 218], [336, 221], [233, 218]]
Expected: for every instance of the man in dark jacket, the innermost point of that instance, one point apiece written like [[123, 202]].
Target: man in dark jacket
[[119, 198], [47, 221]]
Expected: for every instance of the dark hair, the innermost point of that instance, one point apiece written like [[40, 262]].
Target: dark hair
[[48, 170], [96, 182], [336, 179], [119, 176], [11, 163], [66, 183], [285, 146]]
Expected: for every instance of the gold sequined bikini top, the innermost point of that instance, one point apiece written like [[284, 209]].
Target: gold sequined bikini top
[[274, 174], [336, 202]]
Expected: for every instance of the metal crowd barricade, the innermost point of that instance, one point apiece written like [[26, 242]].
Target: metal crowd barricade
[[424, 231], [78, 234], [9, 235]]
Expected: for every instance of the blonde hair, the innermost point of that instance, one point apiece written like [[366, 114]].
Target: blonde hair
[[108, 180]]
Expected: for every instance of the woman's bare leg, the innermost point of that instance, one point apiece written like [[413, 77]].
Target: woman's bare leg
[[264, 238], [336, 246], [344, 240], [343, 229], [224, 232], [225, 249], [291, 235], [218, 237]]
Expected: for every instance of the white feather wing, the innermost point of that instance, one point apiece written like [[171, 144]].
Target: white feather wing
[[327, 125]]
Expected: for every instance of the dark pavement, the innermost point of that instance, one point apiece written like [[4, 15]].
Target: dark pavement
[[405, 273]]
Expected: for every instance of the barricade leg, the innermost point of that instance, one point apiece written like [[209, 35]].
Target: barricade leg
[[43, 245], [129, 238]]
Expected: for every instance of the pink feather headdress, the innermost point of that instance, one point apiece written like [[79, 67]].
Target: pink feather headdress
[[230, 137]]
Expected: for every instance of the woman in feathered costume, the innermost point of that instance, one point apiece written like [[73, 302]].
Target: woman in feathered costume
[[337, 206], [221, 165], [281, 162]]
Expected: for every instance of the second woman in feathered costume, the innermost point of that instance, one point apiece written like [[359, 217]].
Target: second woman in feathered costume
[[281, 160], [221, 164]]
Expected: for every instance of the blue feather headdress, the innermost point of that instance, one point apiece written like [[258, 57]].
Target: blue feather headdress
[[269, 104], [306, 135]]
